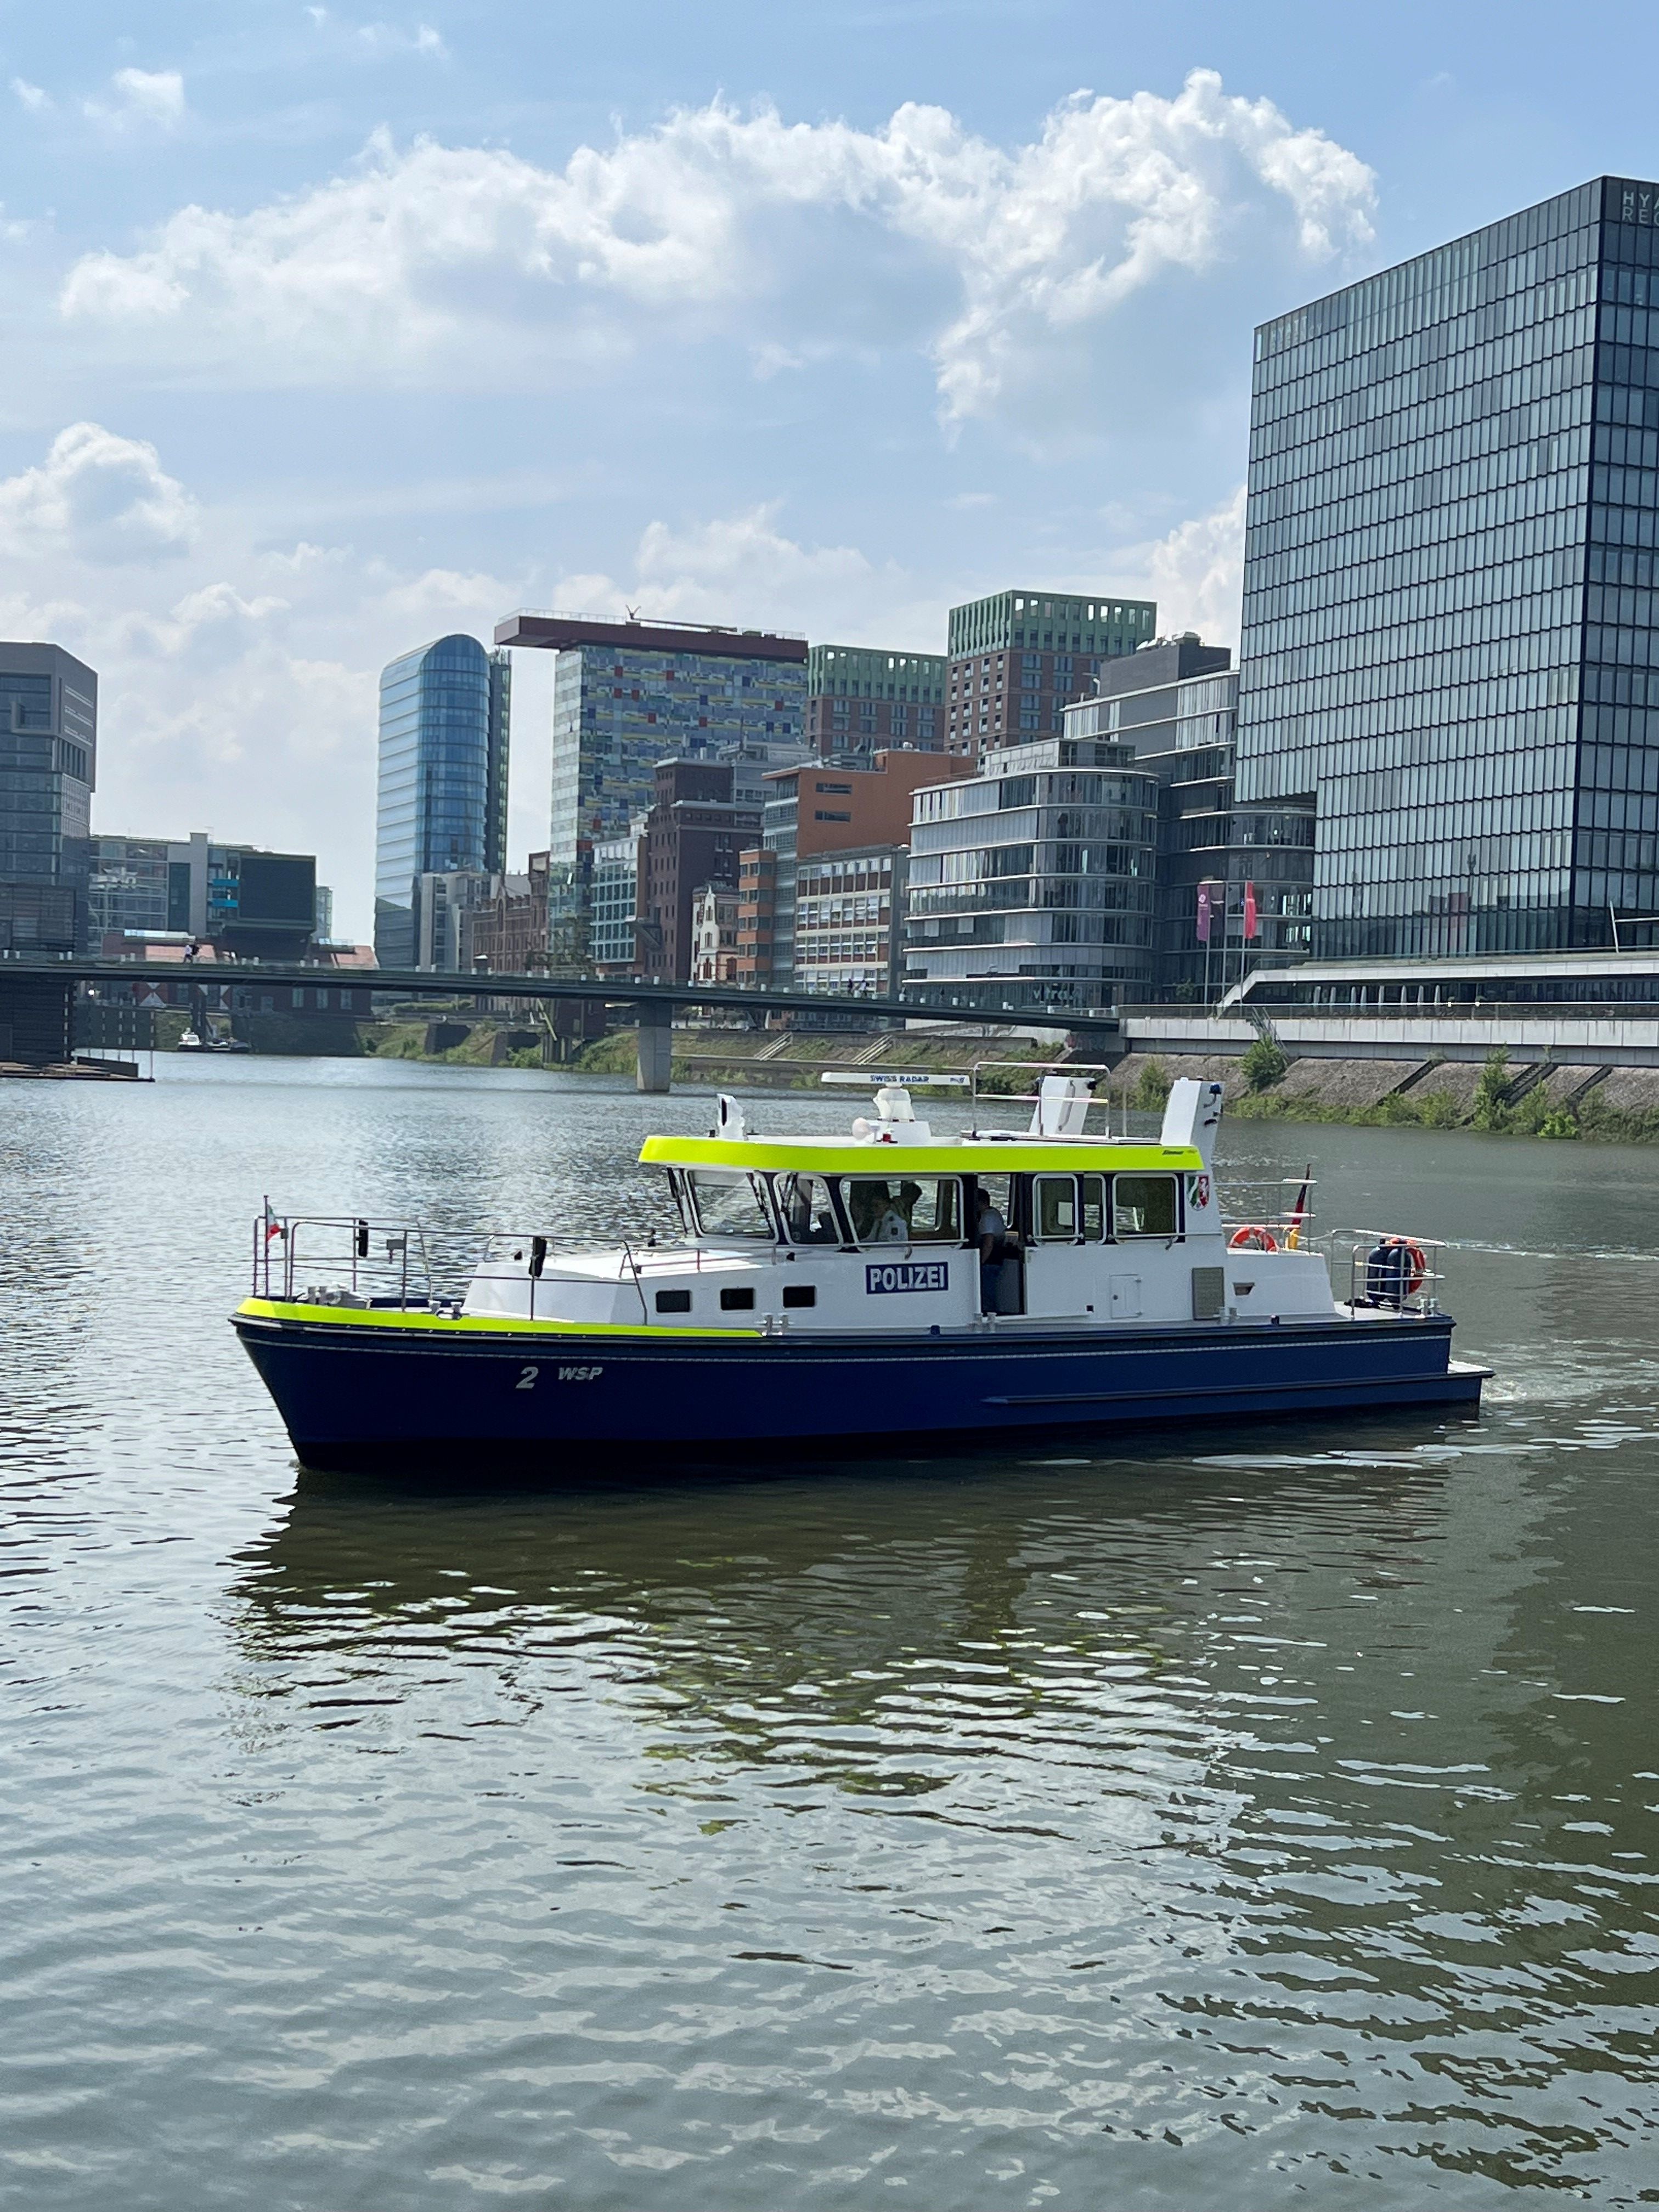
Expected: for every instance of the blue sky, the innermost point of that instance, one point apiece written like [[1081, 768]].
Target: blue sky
[[330, 328]]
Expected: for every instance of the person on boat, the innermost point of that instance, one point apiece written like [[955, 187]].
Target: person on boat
[[991, 1235], [876, 1216]]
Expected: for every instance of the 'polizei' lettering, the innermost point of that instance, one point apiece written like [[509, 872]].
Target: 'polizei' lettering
[[907, 1275]]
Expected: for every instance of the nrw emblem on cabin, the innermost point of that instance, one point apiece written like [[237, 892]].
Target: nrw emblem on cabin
[[908, 1275]]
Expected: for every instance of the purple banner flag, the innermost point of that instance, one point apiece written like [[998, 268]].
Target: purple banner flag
[[1204, 914]]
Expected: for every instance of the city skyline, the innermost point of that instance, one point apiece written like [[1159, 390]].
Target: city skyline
[[254, 453]]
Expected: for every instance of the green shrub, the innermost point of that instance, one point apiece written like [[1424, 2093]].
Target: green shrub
[[1151, 1090], [1562, 1122], [1437, 1109], [1490, 1111], [1263, 1065]]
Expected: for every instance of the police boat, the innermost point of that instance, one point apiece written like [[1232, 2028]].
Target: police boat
[[886, 1284]]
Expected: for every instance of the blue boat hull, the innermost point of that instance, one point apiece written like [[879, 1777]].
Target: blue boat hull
[[356, 1398]]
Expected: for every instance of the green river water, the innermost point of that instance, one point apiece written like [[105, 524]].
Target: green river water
[[1215, 1819]]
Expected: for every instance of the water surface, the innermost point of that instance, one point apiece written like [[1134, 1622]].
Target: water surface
[[1243, 1812]]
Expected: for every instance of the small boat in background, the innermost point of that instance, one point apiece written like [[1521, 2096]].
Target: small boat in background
[[881, 1287]]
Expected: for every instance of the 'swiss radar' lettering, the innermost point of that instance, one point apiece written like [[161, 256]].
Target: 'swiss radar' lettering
[[907, 1275]]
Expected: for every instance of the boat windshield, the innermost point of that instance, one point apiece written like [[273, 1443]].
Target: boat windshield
[[804, 1202], [730, 1204]]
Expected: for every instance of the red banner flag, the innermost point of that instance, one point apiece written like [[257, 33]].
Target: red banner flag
[[1251, 926]]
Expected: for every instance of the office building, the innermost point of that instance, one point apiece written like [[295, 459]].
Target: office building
[[1017, 659], [128, 886], [613, 899], [446, 721], [692, 838], [48, 766], [627, 696], [848, 933], [1032, 883], [1448, 587], [238, 897], [445, 901], [1233, 883], [824, 807], [862, 700]]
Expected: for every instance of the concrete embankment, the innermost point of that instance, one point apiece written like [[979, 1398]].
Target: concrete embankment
[[1616, 1104]]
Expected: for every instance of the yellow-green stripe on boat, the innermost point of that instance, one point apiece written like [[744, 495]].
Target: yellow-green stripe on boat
[[411, 1319], [822, 1155]]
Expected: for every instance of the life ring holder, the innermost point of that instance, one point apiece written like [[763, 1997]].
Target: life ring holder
[[1252, 1238]]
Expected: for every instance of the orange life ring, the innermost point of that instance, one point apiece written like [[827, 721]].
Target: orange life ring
[[1416, 1268], [1253, 1239]]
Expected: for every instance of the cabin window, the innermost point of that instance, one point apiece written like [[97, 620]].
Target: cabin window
[[800, 1294], [736, 1301], [1054, 1209], [808, 1216], [730, 1206], [933, 1206], [673, 1302], [1000, 1190], [1144, 1206], [903, 1209]]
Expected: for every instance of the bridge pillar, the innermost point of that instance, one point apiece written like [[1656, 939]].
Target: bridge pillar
[[37, 1014], [655, 1070]]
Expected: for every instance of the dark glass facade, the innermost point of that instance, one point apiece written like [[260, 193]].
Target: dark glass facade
[[1175, 702], [445, 727], [48, 765], [1448, 589]]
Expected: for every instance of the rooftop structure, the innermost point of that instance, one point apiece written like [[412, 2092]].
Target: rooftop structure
[[1016, 659], [861, 699]]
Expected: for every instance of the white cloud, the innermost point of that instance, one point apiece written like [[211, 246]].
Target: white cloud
[[31, 95], [432, 264], [152, 97], [1196, 573], [388, 37], [97, 496]]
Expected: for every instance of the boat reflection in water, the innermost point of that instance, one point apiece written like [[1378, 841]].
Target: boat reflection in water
[[1069, 1768]]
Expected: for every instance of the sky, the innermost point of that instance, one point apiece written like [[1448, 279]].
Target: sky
[[328, 331]]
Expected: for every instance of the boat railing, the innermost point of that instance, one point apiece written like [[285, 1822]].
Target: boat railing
[[989, 1088], [1274, 1217], [353, 1260], [1387, 1271]]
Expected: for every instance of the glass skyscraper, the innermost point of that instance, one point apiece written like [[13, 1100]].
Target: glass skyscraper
[[445, 725], [48, 764], [1450, 603]]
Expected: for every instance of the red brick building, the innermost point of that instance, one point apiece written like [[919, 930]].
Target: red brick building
[[693, 836]]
